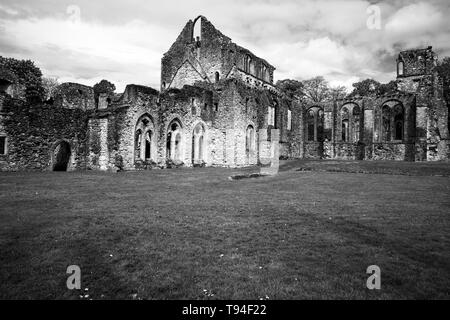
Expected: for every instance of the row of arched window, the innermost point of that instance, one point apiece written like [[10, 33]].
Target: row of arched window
[[145, 142], [259, 70], [350, 119]]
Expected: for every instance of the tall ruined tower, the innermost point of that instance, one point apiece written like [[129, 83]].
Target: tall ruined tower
[[417, 73], [203, 53]]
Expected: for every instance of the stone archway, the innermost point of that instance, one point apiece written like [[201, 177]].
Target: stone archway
[[61, 156]]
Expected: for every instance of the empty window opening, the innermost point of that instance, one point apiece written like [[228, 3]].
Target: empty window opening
[[310, 120], [356, 123], [148, 145], [143, 139], [398, 122], [400, 68], [345, 126], [386, 124], [314, 124], [173, 143], [197, 30], [198, 144], [3, 149], [289, 120]]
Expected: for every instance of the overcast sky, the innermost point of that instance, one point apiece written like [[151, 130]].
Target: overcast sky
[[123, 41]]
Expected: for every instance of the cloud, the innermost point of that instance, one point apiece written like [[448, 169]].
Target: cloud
[[124, 41]]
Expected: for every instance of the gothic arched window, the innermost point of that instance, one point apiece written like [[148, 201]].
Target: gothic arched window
[[398, 115], [345, 125], [400, 68]]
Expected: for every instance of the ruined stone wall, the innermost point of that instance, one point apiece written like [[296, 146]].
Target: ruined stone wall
[[417, 62], [34, 131], [211, 57], [368, 144], [74, 96]]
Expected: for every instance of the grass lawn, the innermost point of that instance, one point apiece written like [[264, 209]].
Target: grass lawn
[[195, 234]]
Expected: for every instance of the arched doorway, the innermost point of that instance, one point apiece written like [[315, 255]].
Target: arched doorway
[[61, 156]]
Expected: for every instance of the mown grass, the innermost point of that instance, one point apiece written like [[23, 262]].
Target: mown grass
[[195, 234]]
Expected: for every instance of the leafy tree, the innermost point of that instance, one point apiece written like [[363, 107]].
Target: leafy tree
[[27, 75], [104, 86], [389, 87], [338, 92], [365, 88], [316, 89], [291, 87], [370, 88]]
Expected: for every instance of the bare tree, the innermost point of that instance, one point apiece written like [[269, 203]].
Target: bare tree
[[338, 92], [50, 85], [316, 89]]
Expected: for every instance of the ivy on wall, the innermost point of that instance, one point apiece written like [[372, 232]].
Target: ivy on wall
[[33, 129]]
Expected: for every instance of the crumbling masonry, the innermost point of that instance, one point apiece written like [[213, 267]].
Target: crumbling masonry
[[217, 106]]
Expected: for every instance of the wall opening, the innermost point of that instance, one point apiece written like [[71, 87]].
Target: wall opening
[[356, 123], [143, 139], [289, 120], [385, 124], [173, 142], [217, 76], [314, 124], [400, 68], [3, 147], [398, 122], [197, 30], [250, 141], [345, 125], [310, 131], [148, 145], [198, 144], [137, 144], [61, 156]]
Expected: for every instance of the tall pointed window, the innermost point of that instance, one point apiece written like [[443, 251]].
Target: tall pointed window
[[345, 125], [198, 144], [400, 68], [143, 139], [314, 124], [385, 124], [289, 120], [356, 123], [3, 148], [398, 122], [197, 29], [173, 142]]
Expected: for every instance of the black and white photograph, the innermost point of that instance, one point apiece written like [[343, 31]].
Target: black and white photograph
[[228, 154]]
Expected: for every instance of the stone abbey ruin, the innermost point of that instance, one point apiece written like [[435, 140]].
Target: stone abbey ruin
[[218, 106]]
